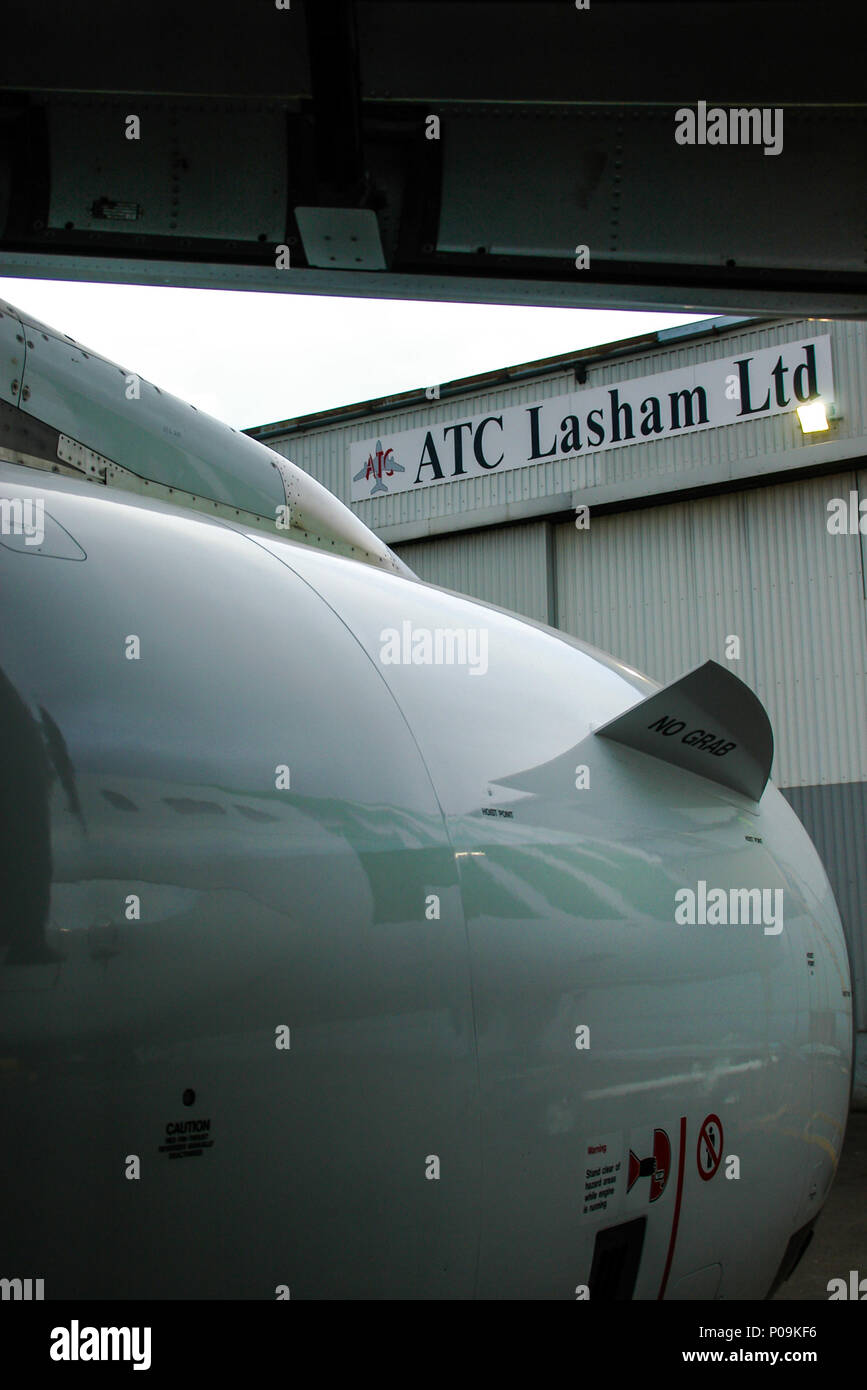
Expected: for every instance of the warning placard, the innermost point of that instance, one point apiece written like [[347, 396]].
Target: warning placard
[[603, 1162]]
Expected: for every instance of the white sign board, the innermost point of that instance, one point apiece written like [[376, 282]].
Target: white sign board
[[770, 381]]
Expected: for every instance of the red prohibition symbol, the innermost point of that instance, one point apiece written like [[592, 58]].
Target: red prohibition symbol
[[709, 1148]]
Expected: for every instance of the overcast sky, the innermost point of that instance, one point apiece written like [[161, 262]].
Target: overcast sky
[[251, 359]]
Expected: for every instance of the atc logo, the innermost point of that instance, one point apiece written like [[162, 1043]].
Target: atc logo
[[380, 463]]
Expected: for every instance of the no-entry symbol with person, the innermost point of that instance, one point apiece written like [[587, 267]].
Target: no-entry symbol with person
[[709, 1148]]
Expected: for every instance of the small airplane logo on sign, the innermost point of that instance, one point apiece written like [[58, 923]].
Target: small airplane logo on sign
[[379, 462]]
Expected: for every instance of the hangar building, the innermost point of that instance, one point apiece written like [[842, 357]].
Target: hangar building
[[661, 498]]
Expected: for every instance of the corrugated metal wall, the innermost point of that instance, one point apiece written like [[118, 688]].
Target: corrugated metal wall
[[511, 567]]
